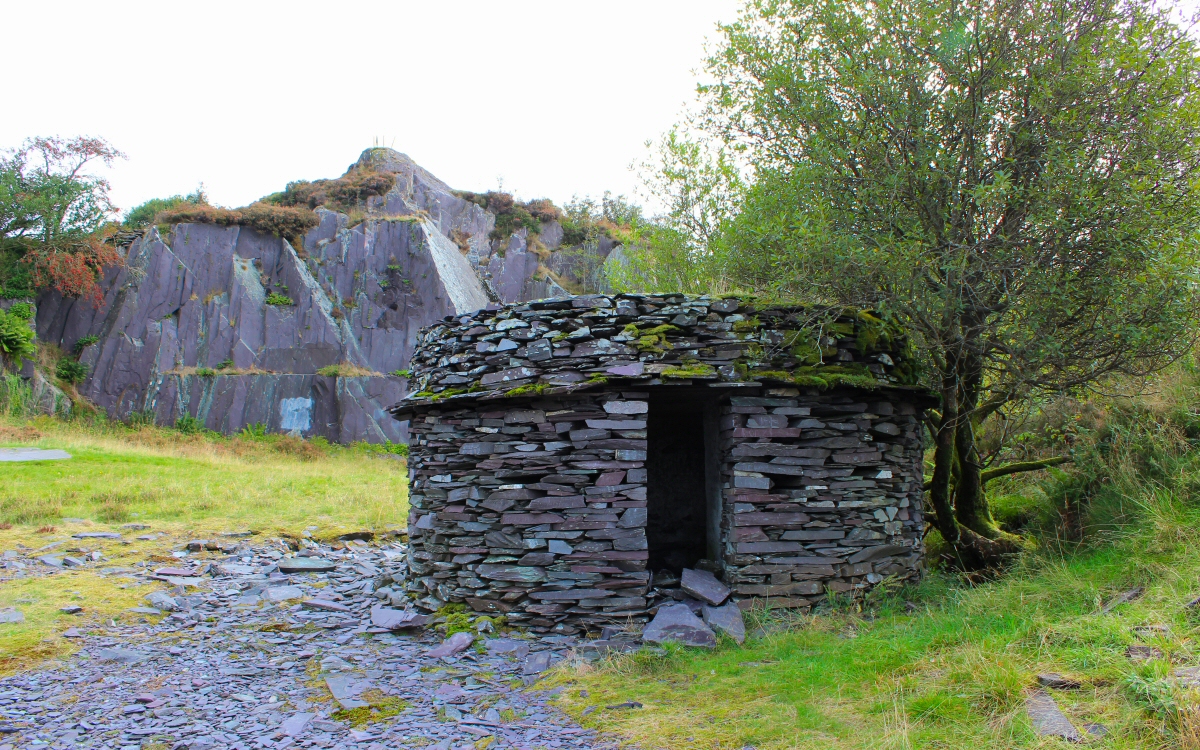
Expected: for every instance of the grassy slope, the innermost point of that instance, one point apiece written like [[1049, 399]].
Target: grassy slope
[[184, 486], [950, 674], [951, 669]]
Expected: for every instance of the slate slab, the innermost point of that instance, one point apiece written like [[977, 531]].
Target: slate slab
[[536, 663], [324, 605], [296, 724], [1055, 681], [675, 622], [1047, 719], [282, 593], [12, 615], [704, 586], [726, 619], [32, 454], [121, 655], [306, 565], [395, 619], [96, 535], [456, 643], [346, 689]]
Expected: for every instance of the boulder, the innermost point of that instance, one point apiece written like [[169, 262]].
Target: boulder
[[675, 622]]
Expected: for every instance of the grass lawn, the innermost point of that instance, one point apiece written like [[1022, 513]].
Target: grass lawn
[[182, 486], [936, 666]]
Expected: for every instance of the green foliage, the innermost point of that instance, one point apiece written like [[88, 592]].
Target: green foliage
[[70, 371], [512, 216], [584, 221], [255, 431], [225, 364], [689, 370], [1033, 228], [402, 373], [189, 425], [205, 372], [22, 310], [85, 342], [143, 215], [386, 447], [54, 217], [16, 337], [16, 397], [330, 371], [282, 300]]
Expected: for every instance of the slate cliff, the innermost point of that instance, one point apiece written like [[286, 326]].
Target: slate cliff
[[198, 322]]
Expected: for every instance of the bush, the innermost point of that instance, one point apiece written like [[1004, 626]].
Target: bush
[[22, 310], [279, 300], [205, 372], [189, 425], [341, 194], [281, 221], [511, 216], [16, 337], [143, 216], [85, 342], [70, 371]]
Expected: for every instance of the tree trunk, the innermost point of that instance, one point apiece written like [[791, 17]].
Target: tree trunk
[[970, 502], [943, 457]]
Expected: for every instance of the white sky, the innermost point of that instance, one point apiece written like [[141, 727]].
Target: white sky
[[555, 97]]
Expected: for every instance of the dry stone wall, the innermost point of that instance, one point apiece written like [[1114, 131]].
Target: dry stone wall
[[529, 449]]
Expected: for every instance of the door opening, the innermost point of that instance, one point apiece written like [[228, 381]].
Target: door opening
[[676, 488]]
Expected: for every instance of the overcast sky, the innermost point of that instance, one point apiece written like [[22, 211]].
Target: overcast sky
[[556, 98]]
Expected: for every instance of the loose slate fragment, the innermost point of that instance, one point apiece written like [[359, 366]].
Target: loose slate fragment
[[395, 619], [121, 655], [306, 565], [726, 619], [96, 535], [456, 643], [12, 615], [1055, 681], [704, 586], [346, 689], [675, 622], [324, 605], [1047, 719]]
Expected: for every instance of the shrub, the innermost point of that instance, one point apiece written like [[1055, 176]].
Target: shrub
[[402, 373], [205, 372], [281, 221], [225, 364], [341, 194], [16, 337], [142, 216], [275, 298], [189, 425], [85, 342], [70, 371], [254, 431], [22, 310], [512, 216]]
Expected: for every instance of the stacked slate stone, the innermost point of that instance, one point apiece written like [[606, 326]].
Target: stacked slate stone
[[528, 450]]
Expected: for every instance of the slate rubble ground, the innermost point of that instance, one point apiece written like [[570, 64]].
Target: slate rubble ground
[[248, 657]]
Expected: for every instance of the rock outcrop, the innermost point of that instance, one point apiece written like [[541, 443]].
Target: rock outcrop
[[233, 327]]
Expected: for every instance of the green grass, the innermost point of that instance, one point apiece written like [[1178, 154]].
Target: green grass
[[273, 484], [184, 486], [947, 664], [950, 674]]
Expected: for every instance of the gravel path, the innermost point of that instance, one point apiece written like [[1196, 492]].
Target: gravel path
[[254, 658]]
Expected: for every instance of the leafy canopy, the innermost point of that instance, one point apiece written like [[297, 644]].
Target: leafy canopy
[[1015, 182]]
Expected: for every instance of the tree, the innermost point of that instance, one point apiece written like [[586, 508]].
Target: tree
[[54, 214], [142, 216], [1015, 182]]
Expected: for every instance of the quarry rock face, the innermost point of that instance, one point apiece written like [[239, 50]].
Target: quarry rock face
[[188, 328]]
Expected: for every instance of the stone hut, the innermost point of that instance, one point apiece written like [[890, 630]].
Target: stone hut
[[570, 457]]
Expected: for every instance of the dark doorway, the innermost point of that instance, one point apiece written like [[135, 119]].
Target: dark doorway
[[676, 490]]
